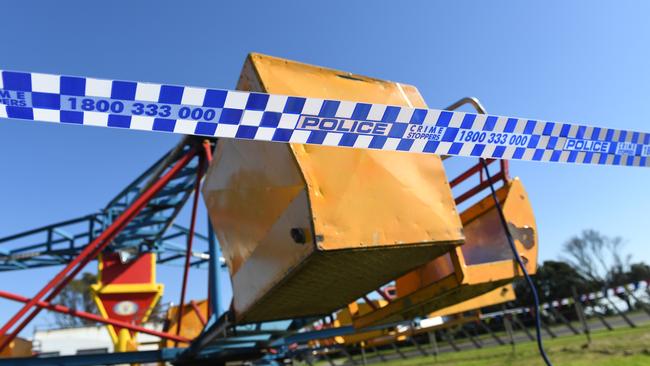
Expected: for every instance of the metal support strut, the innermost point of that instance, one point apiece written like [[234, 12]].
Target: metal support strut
[[190, 239], [93, 317], [89, 253]]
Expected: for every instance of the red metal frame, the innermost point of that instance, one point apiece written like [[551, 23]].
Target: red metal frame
[[89, 253], [190, 239], [370, 303], [207, 148], [502, 175], [196, 309], [96, 318], [382, 292]]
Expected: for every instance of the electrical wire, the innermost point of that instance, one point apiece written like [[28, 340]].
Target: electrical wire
[[515, 253]]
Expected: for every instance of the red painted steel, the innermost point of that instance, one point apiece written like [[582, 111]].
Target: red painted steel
[[96, 318], [370, 303], [135, 271], [190, 239], [208, 150], [505, 168], [383, 294], [483, 184], [196, 309], [137, 276], [90, 252], [469, 172]]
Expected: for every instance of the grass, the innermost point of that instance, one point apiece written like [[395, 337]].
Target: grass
[[623, 347]]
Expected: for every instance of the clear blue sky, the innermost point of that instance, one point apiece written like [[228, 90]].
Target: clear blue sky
[[578, 61]]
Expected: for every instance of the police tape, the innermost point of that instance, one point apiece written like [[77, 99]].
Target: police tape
[[294, 119]]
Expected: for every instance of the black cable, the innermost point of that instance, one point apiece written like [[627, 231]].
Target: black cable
[[515, 253]]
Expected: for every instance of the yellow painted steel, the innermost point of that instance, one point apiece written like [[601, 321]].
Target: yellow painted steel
[[380, 337], [367, 217], [479, 266], [192, 322], [19, 347], [344, 318], [123, 341], [460, 319], [376, 339], [402, 335], [494, 297]]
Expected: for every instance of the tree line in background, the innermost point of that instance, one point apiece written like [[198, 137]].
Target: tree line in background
[[590, 262]]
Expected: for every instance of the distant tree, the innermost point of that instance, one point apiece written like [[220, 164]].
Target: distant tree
[[603, 261], [553, 280], [639, 272], [591, 262], [76, 295], [619, 276], [597, 257]]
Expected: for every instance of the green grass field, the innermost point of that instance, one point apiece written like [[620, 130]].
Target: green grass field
[[624, 347]]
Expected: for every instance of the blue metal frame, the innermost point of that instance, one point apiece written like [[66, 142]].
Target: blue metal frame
[[214, 273], [152, 230], [165, 354]]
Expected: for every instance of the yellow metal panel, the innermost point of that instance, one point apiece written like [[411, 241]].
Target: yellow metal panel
[[420, 277], [124, 339], [398, 336], [452, 323], [249, 185], [486, 243], [367, 216], [282, 76], [484, 262], [347, 211], [276, 255], [445, 290], [192, 324], [497, 296], [344, 317], [486, 240], [19, 347], [128, 288]]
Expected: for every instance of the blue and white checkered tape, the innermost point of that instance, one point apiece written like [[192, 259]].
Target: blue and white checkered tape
[[294, 119]]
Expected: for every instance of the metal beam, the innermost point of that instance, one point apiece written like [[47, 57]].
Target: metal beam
[[93, 317], [150, 230], [165, 354], [91, 251]]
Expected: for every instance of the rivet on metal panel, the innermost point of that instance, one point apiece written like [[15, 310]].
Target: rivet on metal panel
[[298, 235]]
